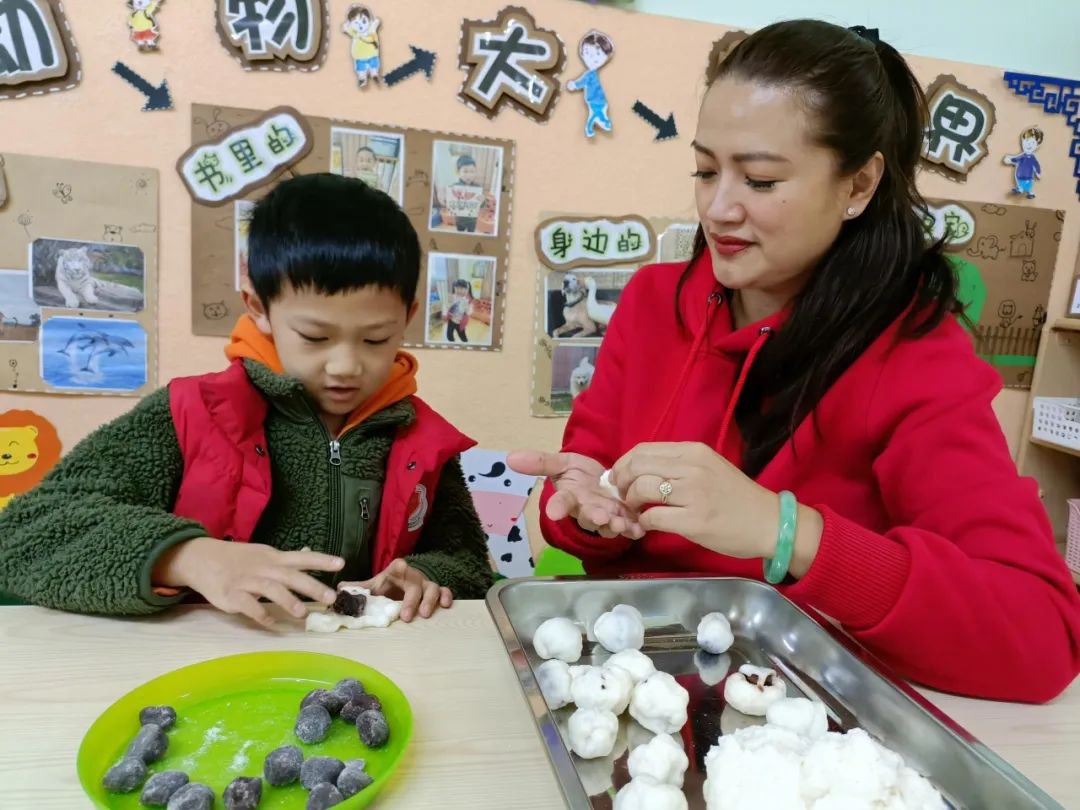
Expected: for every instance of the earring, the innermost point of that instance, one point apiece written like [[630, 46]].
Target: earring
[[851, 212]]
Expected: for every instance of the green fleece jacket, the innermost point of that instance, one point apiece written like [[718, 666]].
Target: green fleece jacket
[[87, 538]]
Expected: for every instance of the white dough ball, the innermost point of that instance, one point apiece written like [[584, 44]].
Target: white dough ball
[[661, 759], [752, 689], [592, 733], [621, 628], [714, 633], [805, 717], [603, 688], [659, 703], [609, 488], [554, 680], [637, 663], [645, 794], [558, 638]]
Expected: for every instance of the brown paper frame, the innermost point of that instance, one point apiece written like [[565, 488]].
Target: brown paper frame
[[549, 72], [570, 265], [69, 79], [945, 168], [275, 61], [270, 178]]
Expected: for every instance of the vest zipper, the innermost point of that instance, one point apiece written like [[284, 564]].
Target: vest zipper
[[336, 539]]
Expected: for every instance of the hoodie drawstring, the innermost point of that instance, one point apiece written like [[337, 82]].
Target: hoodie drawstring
[[740, 383]]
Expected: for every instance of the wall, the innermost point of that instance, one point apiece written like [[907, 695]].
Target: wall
[[659, 60]]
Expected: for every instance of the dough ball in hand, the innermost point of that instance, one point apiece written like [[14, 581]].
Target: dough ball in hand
[[714, 633], [659, 703], [554, 680], [621, 628], [635, 662], [558, 638], [752, 689], [643, 793], [661, 759], [607, 487], [603, 688], [592, 732]]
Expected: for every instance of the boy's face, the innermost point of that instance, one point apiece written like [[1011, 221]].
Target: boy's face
[[467, 173], [593, 56], [360, 25], [341, 347], [365, 161], [139, 5], [1029, 145]]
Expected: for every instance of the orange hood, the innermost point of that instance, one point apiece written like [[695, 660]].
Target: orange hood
[[247, 342]]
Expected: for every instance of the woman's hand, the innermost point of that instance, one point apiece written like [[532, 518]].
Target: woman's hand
[[578, 495], [711, 502]]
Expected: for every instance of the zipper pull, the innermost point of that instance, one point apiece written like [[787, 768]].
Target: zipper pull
[[365, 513], [335, 452]]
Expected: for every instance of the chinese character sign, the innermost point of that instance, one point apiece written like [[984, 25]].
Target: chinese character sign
[[265, 33], [961, 119], [245, 157], [568, 242], [36, 50], [952, 222], [510, 61]]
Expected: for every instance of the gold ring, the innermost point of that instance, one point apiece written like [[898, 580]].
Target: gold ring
[[665, 491]]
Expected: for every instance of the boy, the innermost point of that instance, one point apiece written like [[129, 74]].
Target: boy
[[1027, 169], [457, 314], [367, 167], [311, 438], [362, 27], [469, 198]]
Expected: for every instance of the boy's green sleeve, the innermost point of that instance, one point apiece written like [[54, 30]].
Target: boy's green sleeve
[[452, 549], [87, 537]]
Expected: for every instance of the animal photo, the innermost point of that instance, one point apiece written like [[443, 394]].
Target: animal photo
[[20, 317], [96, 354], [461, 299], [98, 276], [580, 305], [572, 369]]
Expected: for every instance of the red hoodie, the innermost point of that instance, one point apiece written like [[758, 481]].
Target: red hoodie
[[935, 554]]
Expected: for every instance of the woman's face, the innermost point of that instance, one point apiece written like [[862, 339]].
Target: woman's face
[[770, 200]]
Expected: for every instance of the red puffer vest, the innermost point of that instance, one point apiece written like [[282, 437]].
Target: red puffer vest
[[227, 483]]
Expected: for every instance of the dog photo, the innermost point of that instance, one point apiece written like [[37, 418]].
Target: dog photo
[[580, 304], [460, 299], [572, 369], [100, 276], [93, 354], [20, 317], [377, 158], [466, 187]]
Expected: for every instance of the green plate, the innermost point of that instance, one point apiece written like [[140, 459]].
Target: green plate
[[231, 712]]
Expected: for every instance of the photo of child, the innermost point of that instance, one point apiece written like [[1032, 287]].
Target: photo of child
[[377, 158], [241, 224], [461, 298], [466, 187]]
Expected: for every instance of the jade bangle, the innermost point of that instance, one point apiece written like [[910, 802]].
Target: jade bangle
[[776, 568]]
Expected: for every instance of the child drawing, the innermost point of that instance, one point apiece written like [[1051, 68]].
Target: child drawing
[[143, 24], [1027, 169], [457, 314], [362, 27], [596, 50]]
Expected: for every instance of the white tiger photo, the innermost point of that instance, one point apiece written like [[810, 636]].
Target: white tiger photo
[[87, 275]]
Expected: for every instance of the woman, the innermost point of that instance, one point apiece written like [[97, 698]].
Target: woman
[[810, 347]]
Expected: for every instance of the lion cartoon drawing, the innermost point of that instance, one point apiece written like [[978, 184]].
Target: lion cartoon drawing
[[29, 448]]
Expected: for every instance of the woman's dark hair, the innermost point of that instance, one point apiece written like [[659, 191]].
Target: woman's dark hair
[[860, 97]]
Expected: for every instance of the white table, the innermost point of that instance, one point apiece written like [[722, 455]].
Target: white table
[[475, 744]]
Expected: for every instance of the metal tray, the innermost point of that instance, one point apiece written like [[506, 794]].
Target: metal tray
[[769, 631]]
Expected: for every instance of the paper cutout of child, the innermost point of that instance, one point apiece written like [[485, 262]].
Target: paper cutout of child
[[362, 27], [596, 51], [1027, 169], [142, 24]]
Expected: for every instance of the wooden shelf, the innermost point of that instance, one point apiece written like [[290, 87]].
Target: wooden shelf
[[1066, 325], [1069, 451]]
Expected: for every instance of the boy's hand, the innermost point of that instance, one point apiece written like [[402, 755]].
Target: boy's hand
[[401, 581], [234, 576]]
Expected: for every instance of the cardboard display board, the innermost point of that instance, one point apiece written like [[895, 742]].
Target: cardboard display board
[[78, 277], [1005, 257], [464, 227], [585, 263]]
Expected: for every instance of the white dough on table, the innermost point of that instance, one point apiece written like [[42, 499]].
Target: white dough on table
[[609, 488], [714, 633], [646, 794], [712, 668], [558, 638], [659, 703], [742, 693], [379, 611], [805, 717], [621, 628], [554, 680], [661, 759], [603, 688], [591, 733], [637, 663]]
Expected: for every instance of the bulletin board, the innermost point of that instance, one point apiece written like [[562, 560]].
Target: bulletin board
[[418, 168], [78, 277]]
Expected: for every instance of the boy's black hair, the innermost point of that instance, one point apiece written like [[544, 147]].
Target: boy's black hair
[[462, 284], [365, 149], [331, 234], [465, 160]]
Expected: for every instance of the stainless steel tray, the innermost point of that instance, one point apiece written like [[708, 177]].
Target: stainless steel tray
[[769, 631]]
